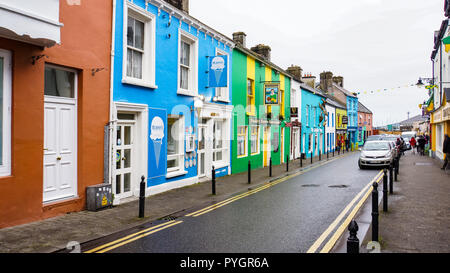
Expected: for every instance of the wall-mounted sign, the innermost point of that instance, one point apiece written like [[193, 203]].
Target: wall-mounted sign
[[344, 120], [218, 68], [294, 112], [157, 143], [271, 93]]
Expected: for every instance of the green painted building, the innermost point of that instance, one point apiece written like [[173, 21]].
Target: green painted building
[[260, 131]]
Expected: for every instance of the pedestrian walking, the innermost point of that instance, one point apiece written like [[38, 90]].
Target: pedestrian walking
[[412, 142], [347, 144], [421, 145], [446, 150]]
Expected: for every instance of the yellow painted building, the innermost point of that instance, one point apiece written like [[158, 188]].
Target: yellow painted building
[[440, 125], [341, 125]]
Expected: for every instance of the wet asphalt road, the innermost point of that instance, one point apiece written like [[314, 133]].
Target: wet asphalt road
[[286, 218]]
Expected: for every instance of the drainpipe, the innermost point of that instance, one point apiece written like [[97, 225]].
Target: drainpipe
[[111, 85]]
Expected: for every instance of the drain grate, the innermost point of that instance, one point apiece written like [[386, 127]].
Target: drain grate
[[338, 186], [310, 185], [168, 218]]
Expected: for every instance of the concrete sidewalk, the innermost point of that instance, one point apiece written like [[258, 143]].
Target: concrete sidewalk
[[54, 234], [418, 220]]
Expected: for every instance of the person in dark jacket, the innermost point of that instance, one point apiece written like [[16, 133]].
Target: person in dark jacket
[[421, 145], [446, 150]]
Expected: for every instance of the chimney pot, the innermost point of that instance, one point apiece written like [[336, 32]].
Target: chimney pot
[[240, 38], [263, 50], [180, 4]]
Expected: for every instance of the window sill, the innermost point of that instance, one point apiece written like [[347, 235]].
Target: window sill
[[251, 114], [186, 92], [242, 156], [220, 164], [138, 82], [175, 174], [223, 100]]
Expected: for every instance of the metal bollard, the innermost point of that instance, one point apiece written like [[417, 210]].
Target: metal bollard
[[213, 180], [301, 160], [333, 152], [385, 191], [328, 157], [287, 163], [391, 179], [312, 157], [142, 198], [249, 172], [395, 170], [353, 241], [270, 167], [375, 212], [320, 156]]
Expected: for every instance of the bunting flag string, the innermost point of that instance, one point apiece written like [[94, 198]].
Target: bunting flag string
[[393, 88]]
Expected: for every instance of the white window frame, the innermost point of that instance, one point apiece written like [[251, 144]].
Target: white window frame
[[179, 170], [224, 91], [224, 148], [258, 150], [193, 75], [245, 141], [5, 167], [307, 115], [148, 57]]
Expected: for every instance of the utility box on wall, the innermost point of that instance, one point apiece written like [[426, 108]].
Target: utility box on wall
[[98, 197]]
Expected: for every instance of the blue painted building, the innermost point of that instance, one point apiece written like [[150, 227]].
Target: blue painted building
[[167, 124], [313, 140], [352, 112]]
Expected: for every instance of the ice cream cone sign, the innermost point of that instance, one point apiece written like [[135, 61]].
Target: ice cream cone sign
[[218, 70], [157, 136]]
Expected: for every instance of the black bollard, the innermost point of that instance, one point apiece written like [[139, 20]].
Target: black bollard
[[328, 155], [287, 163], [333, 152], [142, 198], [249, 172], [213, 173], [312, 157], [270, 167], [353, 241], [375, 212], [385, 191], [320, 156], [391, 179], [395, 170], [301, 160]]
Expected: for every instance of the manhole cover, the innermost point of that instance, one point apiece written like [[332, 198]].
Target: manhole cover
[[310, 185], [338, 186], [423, 164]]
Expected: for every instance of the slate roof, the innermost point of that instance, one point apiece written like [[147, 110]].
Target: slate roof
[[363, 109]]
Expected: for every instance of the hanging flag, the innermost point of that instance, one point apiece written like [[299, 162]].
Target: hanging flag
[[446, 42]]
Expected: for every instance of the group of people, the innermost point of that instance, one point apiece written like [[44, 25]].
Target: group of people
[[419, 143], [423, 140], [341, 143]]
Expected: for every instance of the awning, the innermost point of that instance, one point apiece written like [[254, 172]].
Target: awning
[[36, 24]]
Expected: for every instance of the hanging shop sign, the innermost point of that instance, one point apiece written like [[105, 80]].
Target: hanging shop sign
[[271, 93], [218, 67], [294, 112]]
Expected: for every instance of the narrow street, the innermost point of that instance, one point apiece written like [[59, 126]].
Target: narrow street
[[285, 218]]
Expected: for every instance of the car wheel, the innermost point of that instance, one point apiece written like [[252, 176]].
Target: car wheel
[[360, 166]]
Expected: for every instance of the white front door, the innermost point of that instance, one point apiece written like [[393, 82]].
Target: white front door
[[201, 150], [60, 135], [124, 149]]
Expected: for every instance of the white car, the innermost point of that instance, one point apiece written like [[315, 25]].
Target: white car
[[376, 153]]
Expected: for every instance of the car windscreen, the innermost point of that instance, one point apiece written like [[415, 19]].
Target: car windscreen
[[376, 146]]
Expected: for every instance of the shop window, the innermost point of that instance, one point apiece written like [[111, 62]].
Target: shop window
[[5, 112], [242, 141]]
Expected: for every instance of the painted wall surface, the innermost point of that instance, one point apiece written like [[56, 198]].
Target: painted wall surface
[[81, 48], [246, 67], [330, 129], [164, 96], [352, 112], [364, 127], [310, 124]]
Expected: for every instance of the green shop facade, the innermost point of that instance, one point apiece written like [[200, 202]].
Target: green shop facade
[[261, 100]]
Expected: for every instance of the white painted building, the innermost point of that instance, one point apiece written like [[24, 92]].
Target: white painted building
[[296, 102], [330, 128]]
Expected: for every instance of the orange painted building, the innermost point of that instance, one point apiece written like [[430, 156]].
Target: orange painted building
[[55, 98]]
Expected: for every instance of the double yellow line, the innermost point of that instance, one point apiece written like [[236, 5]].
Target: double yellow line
[[365, 192], [138, 235], [132, 237]]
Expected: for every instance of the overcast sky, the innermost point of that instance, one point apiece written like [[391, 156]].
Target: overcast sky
[[373, 44]]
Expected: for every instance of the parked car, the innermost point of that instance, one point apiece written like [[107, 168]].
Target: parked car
[[376, 153]]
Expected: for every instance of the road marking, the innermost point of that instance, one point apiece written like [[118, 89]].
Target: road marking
[[327, 232], [127, 237], [270, 184], [330, 244], [138, 237]]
